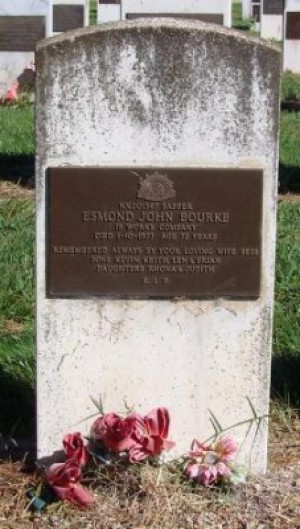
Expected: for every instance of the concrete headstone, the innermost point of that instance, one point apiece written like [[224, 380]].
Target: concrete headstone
[[291, 47], [271, 22], [216, 11], [154, 141], [108, 11]]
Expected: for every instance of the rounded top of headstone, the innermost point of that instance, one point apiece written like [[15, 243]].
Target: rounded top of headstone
[[156, 24]]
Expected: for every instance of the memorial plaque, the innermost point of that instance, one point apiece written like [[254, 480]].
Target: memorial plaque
[[212, 18], [273, 7], [293, 25], [153, 232], [21, 33], [67, 17]]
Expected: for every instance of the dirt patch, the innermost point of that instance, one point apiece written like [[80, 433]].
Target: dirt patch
[[290, 197], [9, 190], [11, 327]]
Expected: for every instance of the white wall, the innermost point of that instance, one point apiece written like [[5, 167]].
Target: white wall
[[24, 7]]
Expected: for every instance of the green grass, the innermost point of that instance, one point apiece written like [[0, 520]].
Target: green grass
[[236, 12], [290, 86], [16, 264], [287, 306], [16, 130], [17, 351], [237, 18], [289, 155]]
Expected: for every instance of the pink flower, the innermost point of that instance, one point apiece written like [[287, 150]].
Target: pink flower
[[226, 448], [151, 435], [115, 432], [209, 464], [64, 478], [75, 448]]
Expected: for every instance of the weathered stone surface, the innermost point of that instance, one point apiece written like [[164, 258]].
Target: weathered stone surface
[[157, 93]]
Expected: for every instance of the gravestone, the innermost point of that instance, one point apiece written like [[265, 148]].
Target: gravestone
[[108, 11], [156, 183], [214, 11], [291, 47], [271, 24], [22, 24]]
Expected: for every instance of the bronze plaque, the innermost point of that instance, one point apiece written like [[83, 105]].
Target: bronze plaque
[[21, 33], [273, 7], [212, 18], [67, 17], [293, 25], [160, 233]]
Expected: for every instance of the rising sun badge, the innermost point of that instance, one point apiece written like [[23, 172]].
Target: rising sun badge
[[157, 187]]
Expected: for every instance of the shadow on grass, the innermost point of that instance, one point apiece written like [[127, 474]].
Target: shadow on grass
[[285, 379], [17, 417], [17, 168], [20, 169], [289, 179]]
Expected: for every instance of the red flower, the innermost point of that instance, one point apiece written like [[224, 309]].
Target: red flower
[[64, 478], [115, 432], [140, 436], [75, 448], [12, 92], [151, 435]]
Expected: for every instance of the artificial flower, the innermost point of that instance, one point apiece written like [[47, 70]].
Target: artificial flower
[[75, 448], [64, 480], [209, 464], [151, 435], [115, 432]]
